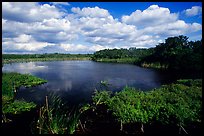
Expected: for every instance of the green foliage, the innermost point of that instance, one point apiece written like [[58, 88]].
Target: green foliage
[[131, 55], [12, 81], [190, 82], [177, 53], [17, 107], [100, 97], [54, 118], [127, 106], [176, 104], [9, 58]]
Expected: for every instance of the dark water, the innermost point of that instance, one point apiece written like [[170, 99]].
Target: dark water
[[75, 81]]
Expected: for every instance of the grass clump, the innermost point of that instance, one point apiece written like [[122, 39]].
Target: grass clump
[[55, 118], [12, 81], [10, 84], [18, 107]]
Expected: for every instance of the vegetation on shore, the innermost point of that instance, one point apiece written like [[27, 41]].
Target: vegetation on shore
[[178, 104], [176, 53], [10, 84], [10, 58], [12, 81], [131, 55], [55, 118]]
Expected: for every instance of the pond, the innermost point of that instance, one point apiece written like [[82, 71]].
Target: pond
[[75, 81]]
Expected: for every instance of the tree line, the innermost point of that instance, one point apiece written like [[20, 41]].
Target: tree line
[[176, 53], [45, 55]]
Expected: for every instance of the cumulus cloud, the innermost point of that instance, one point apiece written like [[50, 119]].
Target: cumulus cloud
[[40, 28], [29, 11], [159, 21], [153, 15], [91, 12], [40, 31], [102, 28], [81, 48], [178, 27], [195, 10], [23, 42]]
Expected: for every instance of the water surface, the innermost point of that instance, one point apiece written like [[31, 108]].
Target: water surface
[[75, 81]]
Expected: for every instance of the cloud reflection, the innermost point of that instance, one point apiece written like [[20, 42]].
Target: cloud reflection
[[28, 67]]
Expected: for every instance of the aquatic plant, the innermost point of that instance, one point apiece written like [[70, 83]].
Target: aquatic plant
[[17, 107], [54, 118], [10, 83]]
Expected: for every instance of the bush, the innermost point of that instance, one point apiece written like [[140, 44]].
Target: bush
[[174, 104]]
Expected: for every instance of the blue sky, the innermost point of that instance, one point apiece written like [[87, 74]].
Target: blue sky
[[86, 27]]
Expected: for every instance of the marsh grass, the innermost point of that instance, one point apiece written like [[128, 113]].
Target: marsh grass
[[56, 118], [10, 83]]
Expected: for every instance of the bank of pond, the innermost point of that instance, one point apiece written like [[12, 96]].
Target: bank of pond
[[175, 53], [175, 108]]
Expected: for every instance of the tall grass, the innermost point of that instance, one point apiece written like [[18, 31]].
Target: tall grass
[[55, 118]]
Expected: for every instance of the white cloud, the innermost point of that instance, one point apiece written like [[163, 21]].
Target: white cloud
[[195, 10], [81, 48], [178, 27], [101, 29], [153, 15], [29, 11], [73, 47], [13, 29], [3, 22], [23, 42], [158, 21], [91, 12], [33, 27], [22, 38], [52, 25]]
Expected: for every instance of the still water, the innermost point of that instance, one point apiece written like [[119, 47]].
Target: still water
[[75, 81]]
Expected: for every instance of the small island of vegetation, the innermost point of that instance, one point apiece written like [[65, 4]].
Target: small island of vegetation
[[10, 85]]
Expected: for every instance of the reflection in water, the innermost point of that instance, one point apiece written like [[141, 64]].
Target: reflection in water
[[28, 67], [75, 81]]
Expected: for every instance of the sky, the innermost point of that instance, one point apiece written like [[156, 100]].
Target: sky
[[87, 27]]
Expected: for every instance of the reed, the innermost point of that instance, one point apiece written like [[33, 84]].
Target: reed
[[55, 118]]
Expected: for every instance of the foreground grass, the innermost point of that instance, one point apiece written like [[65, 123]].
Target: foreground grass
[[56, 118], [10, 84]]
